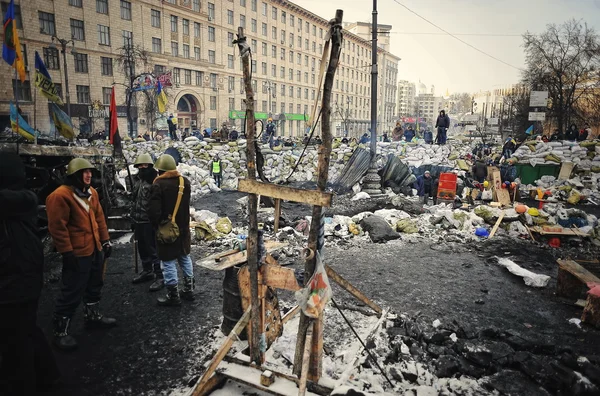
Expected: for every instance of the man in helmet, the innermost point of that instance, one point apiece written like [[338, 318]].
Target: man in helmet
[[144, 231], [78, 228], [163, 200]]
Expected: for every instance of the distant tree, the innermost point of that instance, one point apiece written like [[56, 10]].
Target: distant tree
[[563, 60], [460, 103], [129, 56], [515, 112]]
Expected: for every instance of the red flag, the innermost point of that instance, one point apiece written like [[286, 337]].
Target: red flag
[[115, 137]]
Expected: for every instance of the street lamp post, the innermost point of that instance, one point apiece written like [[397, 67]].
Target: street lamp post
[[63, 44], [372, 183]]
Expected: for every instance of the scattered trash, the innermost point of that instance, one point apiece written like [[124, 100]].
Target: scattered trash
[[576, 322], [530, 278]]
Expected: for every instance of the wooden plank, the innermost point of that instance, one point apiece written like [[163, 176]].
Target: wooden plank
[[581, 273], [344, 284], [284, 385], [279, 277], [212, 384], [495, 228], [234, 259], [311, 197], [563, 232], [201, 386], [290, 314], [305, 362], [503, 197], [565, 171], [315, 367], [277, 214]]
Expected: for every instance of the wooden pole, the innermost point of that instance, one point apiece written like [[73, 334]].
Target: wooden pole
[[323, 172], [252, 240]]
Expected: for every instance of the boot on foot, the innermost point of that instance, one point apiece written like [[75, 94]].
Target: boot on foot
[[171, 298], [62, 339], [188, 286], [94, 319], [158, 284], [144, 276]]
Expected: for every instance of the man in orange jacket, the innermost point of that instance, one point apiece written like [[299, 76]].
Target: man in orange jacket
[[78, 228]]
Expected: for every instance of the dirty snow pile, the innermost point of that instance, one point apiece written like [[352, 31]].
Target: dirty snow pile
[[573, 190], [279, 161]]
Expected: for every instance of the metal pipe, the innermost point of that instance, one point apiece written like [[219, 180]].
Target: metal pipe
[[374, 73]]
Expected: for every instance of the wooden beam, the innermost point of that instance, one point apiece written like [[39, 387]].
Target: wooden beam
[[322, 174], [277, 214], [305, 362], [311, 197], [316, 350], [252, 240], [344, 284], [290, 314], [577, 270], [234, 259], [213, 383], [203, 384], [495, 228]]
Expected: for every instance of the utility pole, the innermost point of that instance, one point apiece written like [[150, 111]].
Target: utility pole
[[63, 44], [372, 183]]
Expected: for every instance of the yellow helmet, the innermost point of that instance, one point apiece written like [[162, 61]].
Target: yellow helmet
[[143, 159], [77, 164], [165, 163], [269, 119], [486, 184]]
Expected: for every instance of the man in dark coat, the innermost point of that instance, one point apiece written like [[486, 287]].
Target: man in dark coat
[[163, 198], [572, 133], [26, 359], [479, 170], [423, 186], [442, 124], [409, 134], [145, 234]]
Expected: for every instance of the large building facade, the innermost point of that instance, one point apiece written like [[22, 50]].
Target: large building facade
[[406, 99], [190, 41]]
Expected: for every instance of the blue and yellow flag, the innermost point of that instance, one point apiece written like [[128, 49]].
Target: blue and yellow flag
[[11, 49], [161, 98], [62, 122], [44, 82], [24, 129], [529, 131]]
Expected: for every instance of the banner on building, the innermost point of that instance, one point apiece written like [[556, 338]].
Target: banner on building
[[165, 79], [144, 82], [44, 82]]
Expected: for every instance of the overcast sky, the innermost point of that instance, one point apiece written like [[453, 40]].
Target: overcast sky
[[447, 63]]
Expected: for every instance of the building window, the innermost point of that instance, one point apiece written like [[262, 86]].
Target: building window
[[187, 74], [273, 51], [253, 5], [243, 3], [127, 38], [253, 66], [211, 33], [274, 13], [264, 9], [213, 80], [243, 21], [77, 30], [156, 45], [197, 29], [51, 58], [199, 78], [273, 71], [264, 49], [106, 94], [174, 23], [231, 83], [106, 65], [230, 17], [254, 45], [291, 96], [74, 3], [125, 10], [230, 39], [283, 17], [186, 51], [186, 26], [102, 7], [103, 35], [83, 94], [46, 23], [264, 68], [274, 33], [230, 61], [81, 63], [231, 104], [263, 106], [283, 37], [177, 75], [22, 89], [211, 11], [159, 69], [174, 48], [292, 20], [253, 25], [282, 72], [196, 5], [213, 123], [264, 29], [155, 18], [291, 75], [197, 53], [211, 57]]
